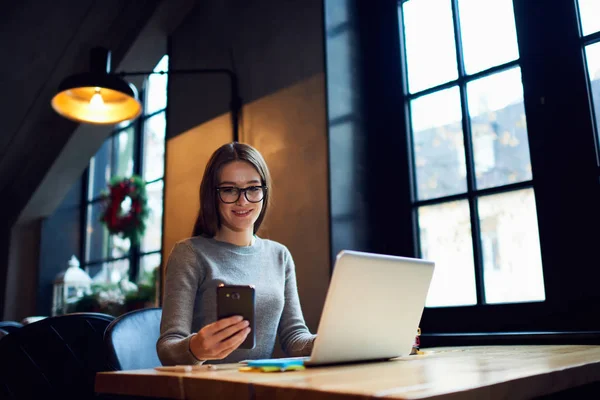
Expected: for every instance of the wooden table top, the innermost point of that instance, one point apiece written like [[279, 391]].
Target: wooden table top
[[449, 373]]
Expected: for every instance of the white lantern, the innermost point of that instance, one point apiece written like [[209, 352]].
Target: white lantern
[[69, 286]]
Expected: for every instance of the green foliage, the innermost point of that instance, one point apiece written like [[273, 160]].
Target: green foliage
[[116, 299]]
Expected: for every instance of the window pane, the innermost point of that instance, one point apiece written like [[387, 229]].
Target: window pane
[[499, 129], [156, 88], [148, 266], [430, 44], [445, 234], [97, 234], [592, 54], [109, 272], [123, 124], [119, 247], [124, 142], [589, 10], [511, 248], [438, 144], [100, 170], [488, 33], [154, 147], [152, 239]]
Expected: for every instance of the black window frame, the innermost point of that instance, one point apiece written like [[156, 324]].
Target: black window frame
[[472, 193], [565, 179]]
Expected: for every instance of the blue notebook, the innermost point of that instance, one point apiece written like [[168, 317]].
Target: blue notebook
[[275, 362]]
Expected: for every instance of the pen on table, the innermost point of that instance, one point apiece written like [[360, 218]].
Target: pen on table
[[191, 368], [182, 368]]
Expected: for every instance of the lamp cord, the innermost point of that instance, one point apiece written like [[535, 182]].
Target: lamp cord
[[240, 119], [230, 35]]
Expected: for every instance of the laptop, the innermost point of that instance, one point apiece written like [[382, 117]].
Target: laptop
[[373, 308]]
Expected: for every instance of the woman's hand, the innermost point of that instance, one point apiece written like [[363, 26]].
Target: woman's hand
[[217, 340]]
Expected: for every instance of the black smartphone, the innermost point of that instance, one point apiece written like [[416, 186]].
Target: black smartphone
[[237, 300]]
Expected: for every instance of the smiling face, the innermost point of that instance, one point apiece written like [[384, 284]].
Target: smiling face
[[241, 215]]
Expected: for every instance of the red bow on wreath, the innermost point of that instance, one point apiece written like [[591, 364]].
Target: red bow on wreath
[[130, 224]]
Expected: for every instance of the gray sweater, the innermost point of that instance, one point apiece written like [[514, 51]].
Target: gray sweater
[[196, 266]]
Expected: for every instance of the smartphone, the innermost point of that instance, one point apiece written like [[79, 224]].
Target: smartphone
[[237, 300]]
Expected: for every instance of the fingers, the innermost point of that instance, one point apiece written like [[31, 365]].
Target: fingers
[[229, 345], [222, 324], [229, 331], [211, 334], [219, 339]]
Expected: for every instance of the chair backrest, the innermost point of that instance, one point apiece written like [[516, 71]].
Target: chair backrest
[[10, 326], [55, 357], [131, 338]]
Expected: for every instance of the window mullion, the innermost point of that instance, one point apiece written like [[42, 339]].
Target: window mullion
[[592, 38], [83, 217], [460, 63], [469, 159], [138, 160]]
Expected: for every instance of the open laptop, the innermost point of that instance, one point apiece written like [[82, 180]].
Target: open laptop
[[373, 308]]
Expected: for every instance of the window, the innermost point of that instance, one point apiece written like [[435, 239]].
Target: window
[[590, 37], [474, 197], [135, 147]]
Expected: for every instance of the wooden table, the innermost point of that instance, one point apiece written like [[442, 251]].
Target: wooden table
[[443, 373]]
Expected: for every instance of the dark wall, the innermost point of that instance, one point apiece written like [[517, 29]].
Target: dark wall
[[5, 238], [347, 138], [21, 283], [270, 44], [365, 105], [61, 238], [276, 48]]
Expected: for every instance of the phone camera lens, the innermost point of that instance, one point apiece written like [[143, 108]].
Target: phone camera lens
[[235, 296]]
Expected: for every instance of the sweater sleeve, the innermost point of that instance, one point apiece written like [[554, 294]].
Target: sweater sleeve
[[181, 283], [296, 340]]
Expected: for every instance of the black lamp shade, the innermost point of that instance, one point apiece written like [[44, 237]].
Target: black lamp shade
[[97, 98]]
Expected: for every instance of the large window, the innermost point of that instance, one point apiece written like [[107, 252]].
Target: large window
[[474, 197], [589, 10], [135, 147]]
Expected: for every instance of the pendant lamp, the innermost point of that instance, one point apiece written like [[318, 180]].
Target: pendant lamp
[[97, 97]]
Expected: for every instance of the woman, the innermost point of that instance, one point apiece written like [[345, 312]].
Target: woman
[[234, 198]]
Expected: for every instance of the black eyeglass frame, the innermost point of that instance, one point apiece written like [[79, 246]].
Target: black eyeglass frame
[[240, 190]]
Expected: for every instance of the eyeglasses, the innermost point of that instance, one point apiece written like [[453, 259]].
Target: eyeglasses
[[231, 194]]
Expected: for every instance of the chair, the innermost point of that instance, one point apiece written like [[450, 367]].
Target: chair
[[57, 357], [3, 333], [10, 326], [130, 340], [32, 319]]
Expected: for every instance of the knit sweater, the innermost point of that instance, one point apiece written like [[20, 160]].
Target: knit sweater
[[196, 266]]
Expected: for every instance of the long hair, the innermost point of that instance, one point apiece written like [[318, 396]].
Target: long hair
[[208, 221]]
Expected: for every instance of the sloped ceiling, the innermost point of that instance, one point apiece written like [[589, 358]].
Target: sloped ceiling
[[41, 43]]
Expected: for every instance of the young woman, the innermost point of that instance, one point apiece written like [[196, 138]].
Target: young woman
[[234, 198]]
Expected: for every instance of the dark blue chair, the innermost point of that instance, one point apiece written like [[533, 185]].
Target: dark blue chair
[[10, 326], [56, 357], [130, 340]]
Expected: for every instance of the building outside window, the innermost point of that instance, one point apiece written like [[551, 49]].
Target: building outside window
[[474, 191], [590, 40]]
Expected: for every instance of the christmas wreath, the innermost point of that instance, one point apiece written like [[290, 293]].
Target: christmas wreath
[[130, 223]]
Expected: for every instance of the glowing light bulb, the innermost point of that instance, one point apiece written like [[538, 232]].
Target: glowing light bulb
[[97, 102]]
